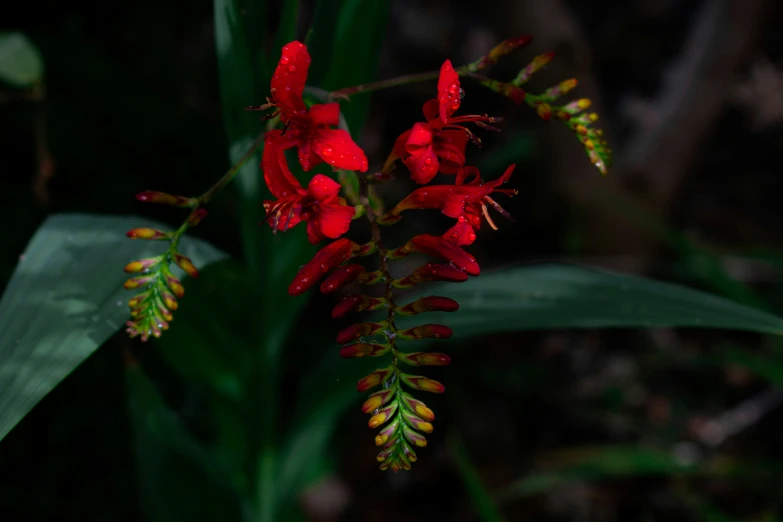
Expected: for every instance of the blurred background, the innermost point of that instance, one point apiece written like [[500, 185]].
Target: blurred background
[[554, 425]]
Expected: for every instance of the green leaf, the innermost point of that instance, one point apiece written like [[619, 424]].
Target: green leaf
[[173, 465], [65, 299], [20, 62], [562, 296], [597, 463], [286, 29], [361, 27], [484, 504]]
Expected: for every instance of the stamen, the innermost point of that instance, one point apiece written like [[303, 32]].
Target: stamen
[[497, 207], [486, 216]]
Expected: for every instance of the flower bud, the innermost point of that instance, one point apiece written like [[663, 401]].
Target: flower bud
[[373, 379], [431, 272], [426, 331], [503, 48], [561, 89], [538, 63], [364, 349], [416, 423], [414, 438], [356, 303], [142, 264], [425, 359], [432, 303], [544, 111], [146, 233], [377, 400], [136, 282], [383, 415], [196, 216], [387, 435], [418, 382], [151, 196], [331, 256], [175, 285], [359, 330], [417, 407], [436, 246], [341, 277], [186, 264]]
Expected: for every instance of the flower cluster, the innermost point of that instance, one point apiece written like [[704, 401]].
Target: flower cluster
[[152, 309], [437, 145]]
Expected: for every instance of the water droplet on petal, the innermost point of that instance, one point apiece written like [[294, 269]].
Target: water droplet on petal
[[462, 94], [292, 68], [428, 160], [327, 151], [284, 60], [455, 105], [453, 88]]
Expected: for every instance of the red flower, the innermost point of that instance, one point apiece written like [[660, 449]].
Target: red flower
[[308, 129], [439, 144], [465, 201], [326, 213]]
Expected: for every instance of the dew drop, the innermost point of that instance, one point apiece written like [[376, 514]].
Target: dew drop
[[327, 151], [292, 68], [428, 160], [453, 88], [455, 105], [284, 60], [462, 94]]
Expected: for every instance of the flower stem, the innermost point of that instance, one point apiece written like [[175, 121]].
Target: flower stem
[[399, 80]]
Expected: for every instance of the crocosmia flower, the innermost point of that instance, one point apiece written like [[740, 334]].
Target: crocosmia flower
[[438, 145], [466, 201], [309, 128], [326, 213]]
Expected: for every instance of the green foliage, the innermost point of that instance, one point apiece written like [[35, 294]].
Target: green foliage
[[21, 64], [562, 296], [64, 300]]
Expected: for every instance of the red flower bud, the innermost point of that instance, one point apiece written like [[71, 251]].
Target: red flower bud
[[374, 379], [146, 233], [377, 400], [562, 88], [432, 303], [136, 282], [418, 382], [329, 257], [426, 331], [356, 303], [364, 349], [359, 330], [341, 277], [418, 407], [196, 216], [383, 415], [436, 246], [142, 264], [186, 264], [416, 423], [425, 359], [151, 196], [544, 111], [432, 272]]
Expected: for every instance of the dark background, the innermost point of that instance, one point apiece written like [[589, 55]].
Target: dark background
[[691, 98]]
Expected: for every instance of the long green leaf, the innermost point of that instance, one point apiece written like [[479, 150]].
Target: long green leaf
[[563, 296], [484, 504], [65, 299], [584, 464], [20, 62]]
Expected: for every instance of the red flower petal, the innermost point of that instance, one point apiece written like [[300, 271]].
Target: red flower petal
[[278, 178], [324, 114], [462, 233], [336, 148], [448, 91], [330, 220], [449, 146], [341, 277], [289, 79], [322, 187], [329, 257]]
